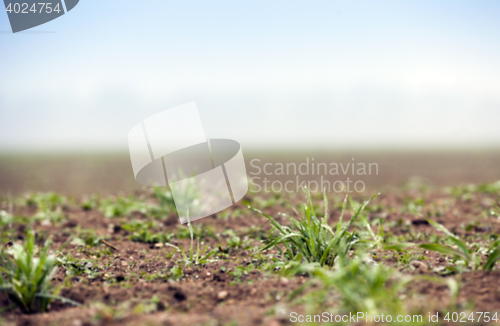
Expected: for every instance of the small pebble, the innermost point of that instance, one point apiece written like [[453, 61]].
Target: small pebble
[[46, 223], [283, 281], [222, 295]]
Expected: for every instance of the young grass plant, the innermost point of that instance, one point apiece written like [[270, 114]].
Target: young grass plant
[[309, 237], [123, 206], [49, 206], [165, 198], [363, 287], [141, 232], [464, 252], [26, 278], [354, 285], [194, 258], [77, 267]]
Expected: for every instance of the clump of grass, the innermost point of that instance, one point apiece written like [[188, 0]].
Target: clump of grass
[[123, 206], [147, 237], [354, 284], [85, 237], [26, 278], [76, 267], [49, 206], [358, 285], [141, 232], [165, 198], [309, 237], [363, 287], [91, 202], [235, 241]]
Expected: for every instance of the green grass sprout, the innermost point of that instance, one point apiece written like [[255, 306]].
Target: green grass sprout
[[26, 278], [311, 238]]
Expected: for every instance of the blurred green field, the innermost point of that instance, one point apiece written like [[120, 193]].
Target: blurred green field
[[86, 173]]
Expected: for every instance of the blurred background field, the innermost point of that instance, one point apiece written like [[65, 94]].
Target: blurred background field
[[85, 173]]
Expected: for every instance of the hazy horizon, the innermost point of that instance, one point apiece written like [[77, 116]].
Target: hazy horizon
[[330, 75]]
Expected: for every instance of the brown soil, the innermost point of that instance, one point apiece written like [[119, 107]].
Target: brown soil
[[208, 294]]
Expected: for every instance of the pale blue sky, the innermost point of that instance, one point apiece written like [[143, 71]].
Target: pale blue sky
[[330, 74]]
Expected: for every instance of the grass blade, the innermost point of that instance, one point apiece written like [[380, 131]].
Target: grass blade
[[459, 243], [492, 258], [442, 249], [56, 297]]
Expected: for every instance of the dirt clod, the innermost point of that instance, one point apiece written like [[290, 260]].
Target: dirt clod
[[419, 266]]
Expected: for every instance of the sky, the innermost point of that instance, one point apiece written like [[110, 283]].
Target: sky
[[269, 74]]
